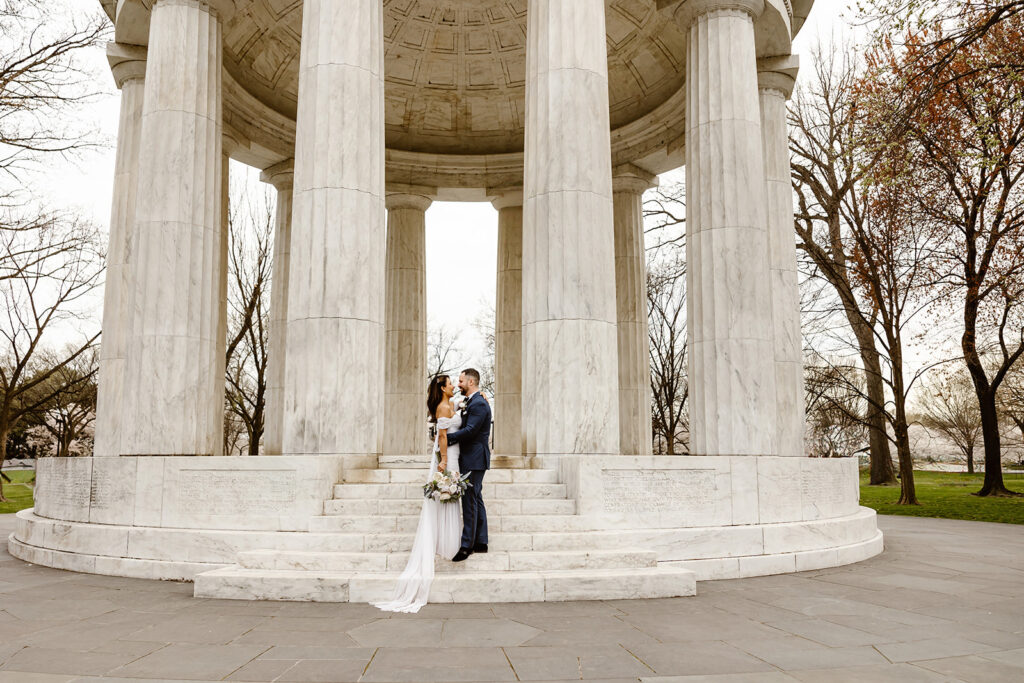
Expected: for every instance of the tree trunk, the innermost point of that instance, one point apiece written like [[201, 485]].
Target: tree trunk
[[881, 469], [970, 460], [908, 494], [4, 432], [993, 485]]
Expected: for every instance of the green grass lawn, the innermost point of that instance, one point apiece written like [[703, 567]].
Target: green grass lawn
[[19, 495], [948, 495]]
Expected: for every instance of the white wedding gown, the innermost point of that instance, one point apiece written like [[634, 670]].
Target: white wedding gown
[[439, 531]]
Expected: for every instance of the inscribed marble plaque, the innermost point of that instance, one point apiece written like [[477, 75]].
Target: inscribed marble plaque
[[233, 492], [824, 485], [645, 491]]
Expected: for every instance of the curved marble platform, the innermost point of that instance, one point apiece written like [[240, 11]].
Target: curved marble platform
[[573, 529]]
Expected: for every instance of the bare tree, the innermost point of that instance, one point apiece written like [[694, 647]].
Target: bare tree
[[250, 264], [42, 83], [444, 351], [48, 272], [484, 325], [664, 211], [834, 398], [666, 302], [826, 176], [949, 407]]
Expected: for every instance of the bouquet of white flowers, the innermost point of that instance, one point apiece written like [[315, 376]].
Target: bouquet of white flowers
[[446, 487]]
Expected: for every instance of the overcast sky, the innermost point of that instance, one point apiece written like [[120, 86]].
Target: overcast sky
[[461, 237]]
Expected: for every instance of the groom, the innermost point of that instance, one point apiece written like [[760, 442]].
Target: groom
[[474, 460]]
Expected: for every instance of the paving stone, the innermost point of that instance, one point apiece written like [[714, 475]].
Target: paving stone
[[58, 661], [592, 663], [485, 633], [931, 648], [879, 673], [296, 652], [262, 670], [974, 668], [698, 658], [328, 670], [191, 661], [205, 629], [396, 664], [398, 632]]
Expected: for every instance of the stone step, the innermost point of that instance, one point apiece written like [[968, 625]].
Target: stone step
[[396, 476], [491, 561], [511, 506], [498, 462], [390, 523], [415, 491], [402, 462], [240, 583]]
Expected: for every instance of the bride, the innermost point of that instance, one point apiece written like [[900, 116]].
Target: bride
[[440, 525]]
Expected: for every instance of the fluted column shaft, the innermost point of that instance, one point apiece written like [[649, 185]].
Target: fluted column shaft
[[405, 364], [508, 332], [774, 89], [335, 350], [635, 432], [128, 64], [282, 178], [732, 387], [172, 405], [569, 338]]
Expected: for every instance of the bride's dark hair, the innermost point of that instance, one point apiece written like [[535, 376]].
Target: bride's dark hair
[[435, 394]]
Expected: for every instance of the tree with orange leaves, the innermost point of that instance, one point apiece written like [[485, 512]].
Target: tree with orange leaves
[[953, 157]]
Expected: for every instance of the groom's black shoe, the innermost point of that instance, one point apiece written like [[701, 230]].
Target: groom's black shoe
[[462, 554], [480, 548]]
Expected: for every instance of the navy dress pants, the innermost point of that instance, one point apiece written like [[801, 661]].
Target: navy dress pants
[[474, 515]]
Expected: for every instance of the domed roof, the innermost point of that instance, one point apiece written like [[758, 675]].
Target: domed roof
[[456, 69]]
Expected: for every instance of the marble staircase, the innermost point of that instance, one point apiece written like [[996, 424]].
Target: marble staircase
[[540, 549]]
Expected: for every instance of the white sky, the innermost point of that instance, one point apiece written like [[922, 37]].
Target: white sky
[[461, 237]]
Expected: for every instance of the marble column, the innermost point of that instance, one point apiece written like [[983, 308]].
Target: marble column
[[635, 433], [508, 325], [219, 378], [569, 337], [405, 359], [775, 88], [282, 177], [334, 360], [128, 64], [171, 405], [730, 336]]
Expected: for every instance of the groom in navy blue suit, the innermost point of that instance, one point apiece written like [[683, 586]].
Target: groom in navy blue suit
[[474, 460]]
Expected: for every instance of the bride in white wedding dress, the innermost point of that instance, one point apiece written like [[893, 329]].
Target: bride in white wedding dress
[[440, 526]]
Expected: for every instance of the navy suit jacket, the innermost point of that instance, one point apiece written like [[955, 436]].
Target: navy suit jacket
[[474, 437]]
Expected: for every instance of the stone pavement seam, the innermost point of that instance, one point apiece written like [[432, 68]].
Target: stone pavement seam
[[511, 666]]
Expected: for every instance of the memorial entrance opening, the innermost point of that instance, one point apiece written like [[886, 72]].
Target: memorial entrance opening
[[361, 113]]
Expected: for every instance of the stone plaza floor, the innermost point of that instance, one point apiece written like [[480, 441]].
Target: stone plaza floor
[[944, 602]]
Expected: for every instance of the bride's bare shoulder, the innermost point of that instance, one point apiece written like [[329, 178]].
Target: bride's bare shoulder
[[444, 409]]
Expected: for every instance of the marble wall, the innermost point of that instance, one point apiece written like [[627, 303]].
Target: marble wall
[[229, 492]]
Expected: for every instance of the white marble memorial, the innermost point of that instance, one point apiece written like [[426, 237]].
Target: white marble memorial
[[561, 114]]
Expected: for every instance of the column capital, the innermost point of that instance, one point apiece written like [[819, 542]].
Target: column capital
[[127, 62], [506, 197], [401, 196], [281, 176], [630, 178], [222, 9], [686, 12], [778, 73]]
